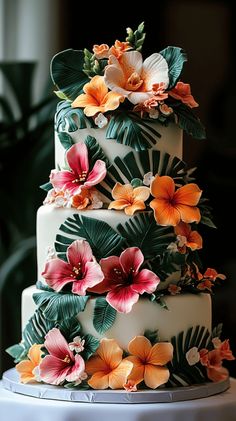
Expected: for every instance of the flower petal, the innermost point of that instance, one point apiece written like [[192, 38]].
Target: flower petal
[[145, 281], [53, 370], [57, 273], [131, 62], [137, 205], [97, 174], [137, 372], [64, 180], [115, 79], [183, 229], [25, 369], [131, 259], [189, 213], [188, 195], [79, 252], [165, 213], [194, 241], [139, 97], [141, 193], [163, 187], [110, 352], [155, 70], [124, 191], [140, 346], [110, 267], [92, 276], [35, 354], [57, 345], [76, 370], [118, 204], [77, 158], [96, 88], [112, 101], [217, 374], [91, 110], [95, 364], [99, 380], [122, 299], [118, 377], [84, 100], [160, 354], [155, 376]]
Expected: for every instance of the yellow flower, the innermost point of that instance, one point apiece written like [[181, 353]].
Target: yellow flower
[[128, 198], [26, 367]]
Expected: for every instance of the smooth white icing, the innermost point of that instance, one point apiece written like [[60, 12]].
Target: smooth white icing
[[184, 311]]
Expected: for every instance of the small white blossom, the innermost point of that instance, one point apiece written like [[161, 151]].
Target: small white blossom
[[148, 178], [82, 377], [173, 247], [51, 253], [216, 342], [101, 121], [96, 202], [153, 113], [192, 356], [77, 345], [37, 377], [181, 240]]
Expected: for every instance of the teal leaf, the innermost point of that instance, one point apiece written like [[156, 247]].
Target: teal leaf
[[103, 239], [189, 122], [58, 306], [129, 129], [95, 151], [142, 231], [71, 119], [15, 351], [152, 336], [46, 187], [70, 328], [66, 140], [90, 346], [104, 315], [67, 72], [217, 331], [167, 263], [175, 58]]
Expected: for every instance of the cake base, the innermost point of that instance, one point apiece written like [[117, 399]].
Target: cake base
[[44, 391]]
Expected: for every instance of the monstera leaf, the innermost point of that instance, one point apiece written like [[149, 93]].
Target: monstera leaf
[[175, 58], [103, 240], [67, 72], [95, 151], [70, 119], [104, 315], [188, 121], [129, 129], [142, 231]]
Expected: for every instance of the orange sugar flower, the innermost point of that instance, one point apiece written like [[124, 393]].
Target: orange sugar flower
[[170, 206], [182, 92], [96, 98], [26, 368], [81, 201], [193, 238], [174, 289], [101, 51], [128, 198], [205, 284], [148, 361], [119, 48], [107, 367], [212, 274]]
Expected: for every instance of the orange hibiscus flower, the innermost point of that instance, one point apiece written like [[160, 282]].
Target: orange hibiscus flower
[[107, 367], [192, 239], [96, 98], [148, 361], [170, 206], [128, 198], [119, 48], [26, 368]]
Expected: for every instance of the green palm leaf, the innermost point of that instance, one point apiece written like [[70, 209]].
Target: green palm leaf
[[71, 119], [104, 315], [175, 58], [58, 306], [103, 240], [189, 122], [142, 231]]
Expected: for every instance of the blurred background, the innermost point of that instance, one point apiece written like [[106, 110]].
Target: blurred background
[[31, 32]]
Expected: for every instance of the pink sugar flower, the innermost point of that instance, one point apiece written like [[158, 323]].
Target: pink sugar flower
[[61, 364], [212, 360], [81, 269], [124, 280], [79, 176]]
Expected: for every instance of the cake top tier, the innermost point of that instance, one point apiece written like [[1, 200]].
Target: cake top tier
[[116, 85]]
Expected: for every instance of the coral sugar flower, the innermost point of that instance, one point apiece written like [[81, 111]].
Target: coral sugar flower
[[148, 361], [124, 280], [170, 206], [79, 176], [96, 98], [81, 270], [212, 360], [27, 368], [61, 364], [193, 238], [128, 198], [107, 367], [182, 92]]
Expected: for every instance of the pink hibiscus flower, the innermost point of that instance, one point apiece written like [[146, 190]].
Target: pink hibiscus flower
[[79, 176], [61, 364], [124, 281], [81, 269]]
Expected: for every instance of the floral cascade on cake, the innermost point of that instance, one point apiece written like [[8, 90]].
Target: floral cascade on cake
[[149, 253]]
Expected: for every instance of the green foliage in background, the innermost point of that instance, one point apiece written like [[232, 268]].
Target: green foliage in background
[[26, 156]]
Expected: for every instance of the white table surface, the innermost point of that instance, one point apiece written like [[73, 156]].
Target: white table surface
[[16, 407]]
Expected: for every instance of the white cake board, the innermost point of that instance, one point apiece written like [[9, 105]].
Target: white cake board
[[44, 391]]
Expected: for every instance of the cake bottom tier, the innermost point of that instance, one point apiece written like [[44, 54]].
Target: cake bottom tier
[[183, 312]]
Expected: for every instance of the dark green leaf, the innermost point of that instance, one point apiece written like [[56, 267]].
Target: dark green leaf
[[175, 58], [167, 264], [71, 119], [207, 221], [129, 129], [152, 335], [103, 240], [189, 122], [90, 346], [67, 72], [217, 331], [142, 231], [46, 187], [104, 315], [66, 140], [95, 151], [70, 328], [82, 386], [136, 38], [58, 306]]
